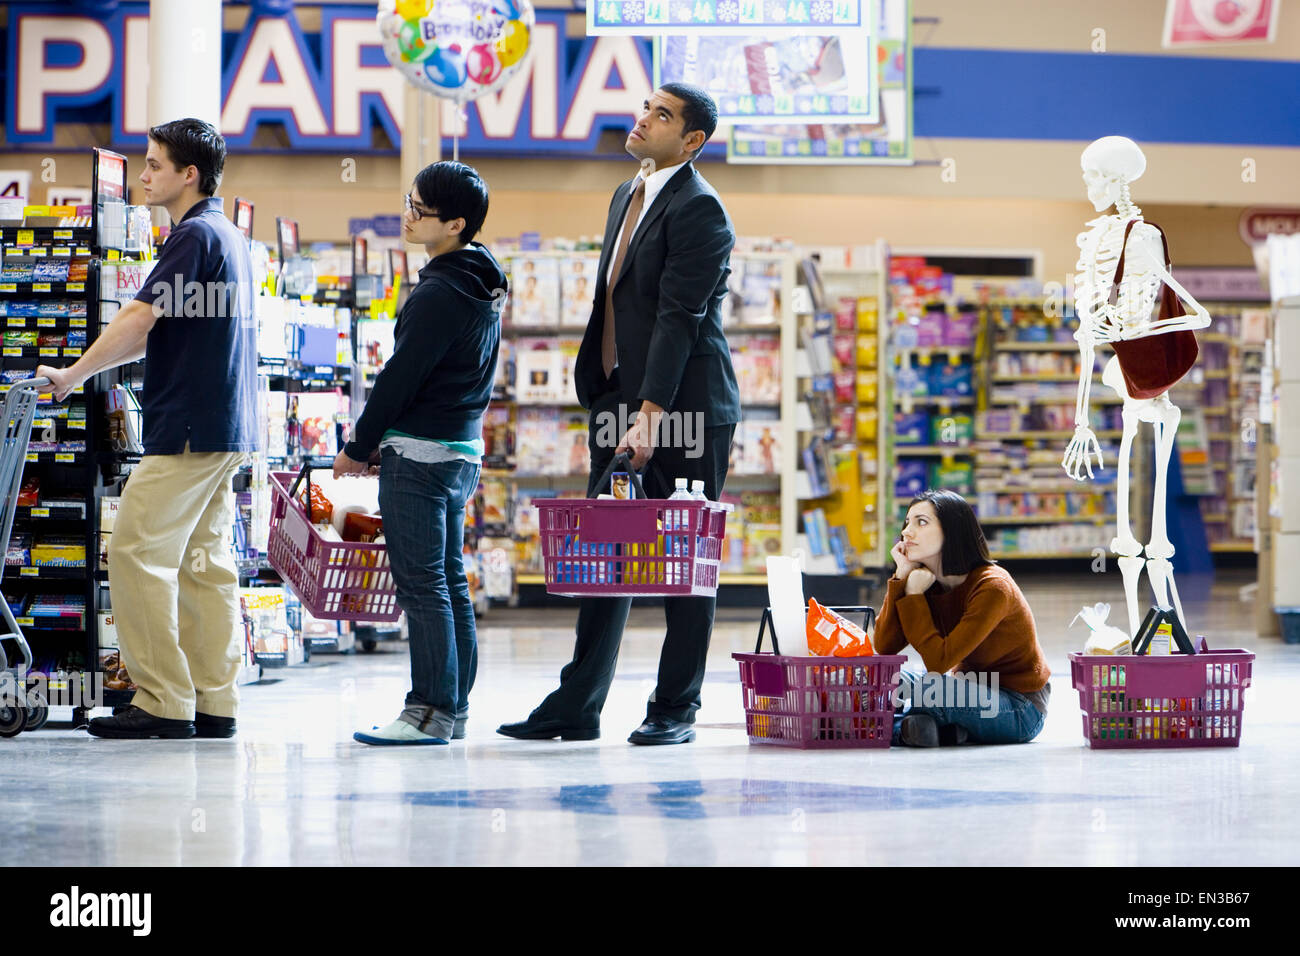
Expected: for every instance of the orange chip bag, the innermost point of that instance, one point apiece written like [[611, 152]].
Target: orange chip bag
[[322, 509], [831, 634]]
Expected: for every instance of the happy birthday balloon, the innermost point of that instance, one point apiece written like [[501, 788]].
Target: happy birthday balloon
[[457, 49]]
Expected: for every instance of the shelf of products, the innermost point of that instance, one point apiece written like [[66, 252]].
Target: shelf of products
[[833, 508], [58, 287]]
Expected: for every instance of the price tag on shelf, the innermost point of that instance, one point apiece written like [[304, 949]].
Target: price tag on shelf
[[77, 323], [47, 323], [59, 685], [923, 358], [8, 287], [17, 323], [43, 423], [77, 423], [39, 252], [954, 358], [62, 233], [29, 572], [32, 456], [49, 351], [13, 350], [40, 512], [114, 255], [72, 350], [26, 237], [62, 251], [40, 287], [83, 251], [76, 287], [65, 456], [25, 622]]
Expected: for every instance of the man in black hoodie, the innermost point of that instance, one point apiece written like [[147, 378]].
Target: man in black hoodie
[[425, 417]]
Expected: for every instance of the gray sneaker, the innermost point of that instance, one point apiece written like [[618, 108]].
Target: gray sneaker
[[919, 730]]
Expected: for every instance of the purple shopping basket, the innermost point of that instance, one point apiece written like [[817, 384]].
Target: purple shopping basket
[[1178, 700], [644, 547], [818, 703]]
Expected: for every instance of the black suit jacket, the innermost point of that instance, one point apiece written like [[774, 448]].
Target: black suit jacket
[[668, 303]]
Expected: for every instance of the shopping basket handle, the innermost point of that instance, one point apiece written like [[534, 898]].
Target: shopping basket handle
[[627, 465], [767, 624], [303, 473]]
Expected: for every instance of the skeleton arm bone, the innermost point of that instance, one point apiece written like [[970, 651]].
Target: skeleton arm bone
[[1078, 454], [1199, 317]]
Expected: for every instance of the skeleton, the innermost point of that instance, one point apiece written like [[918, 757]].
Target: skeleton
[[1109, 165]]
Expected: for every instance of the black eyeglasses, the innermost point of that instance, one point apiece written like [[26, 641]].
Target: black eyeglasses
[[416, 212]]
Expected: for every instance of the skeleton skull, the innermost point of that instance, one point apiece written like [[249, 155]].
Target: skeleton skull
[[1109, 164]]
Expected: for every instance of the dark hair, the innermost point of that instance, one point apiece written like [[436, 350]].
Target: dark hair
[[698, 109], [454, 191], [964, 547], [192, 142]]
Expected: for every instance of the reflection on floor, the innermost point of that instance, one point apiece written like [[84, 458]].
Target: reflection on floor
[[293, 788]]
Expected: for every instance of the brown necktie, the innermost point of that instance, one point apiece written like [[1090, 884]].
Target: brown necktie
[[608, 351]]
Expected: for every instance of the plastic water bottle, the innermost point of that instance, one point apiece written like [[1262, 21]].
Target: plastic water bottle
[[697, 494], [675, 546]]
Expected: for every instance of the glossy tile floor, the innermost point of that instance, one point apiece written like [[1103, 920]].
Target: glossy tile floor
[[293, 788]]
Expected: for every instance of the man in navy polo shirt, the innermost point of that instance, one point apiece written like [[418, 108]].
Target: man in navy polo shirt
[[173, 578]]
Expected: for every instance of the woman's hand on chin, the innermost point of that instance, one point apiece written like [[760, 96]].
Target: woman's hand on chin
[[903, 567]]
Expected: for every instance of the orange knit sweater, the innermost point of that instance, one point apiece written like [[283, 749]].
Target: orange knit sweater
[[982, 625]]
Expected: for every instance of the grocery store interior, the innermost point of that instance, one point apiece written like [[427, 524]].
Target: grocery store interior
[[901, 317]]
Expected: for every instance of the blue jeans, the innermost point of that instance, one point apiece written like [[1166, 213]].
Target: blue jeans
[[424, 527], [1017, 720]]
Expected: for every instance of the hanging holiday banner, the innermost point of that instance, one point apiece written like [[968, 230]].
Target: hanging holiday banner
[[887, 141], [714, 17], [1207, 22], [782, 79]]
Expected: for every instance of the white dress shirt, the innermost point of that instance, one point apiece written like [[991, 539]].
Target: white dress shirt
[[654, 184]]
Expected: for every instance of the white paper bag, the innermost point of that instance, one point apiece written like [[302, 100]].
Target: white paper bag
[[785, 597]]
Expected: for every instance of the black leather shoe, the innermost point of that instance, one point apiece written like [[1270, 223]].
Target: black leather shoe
[[205, 725], [547, 730], [136, 724], [662, 730]]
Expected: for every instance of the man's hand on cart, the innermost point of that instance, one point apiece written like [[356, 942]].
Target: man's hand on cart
[[641, 438], [62, 380], [343, 465]]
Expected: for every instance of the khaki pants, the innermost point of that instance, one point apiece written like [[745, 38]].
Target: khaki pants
[[175, 584]]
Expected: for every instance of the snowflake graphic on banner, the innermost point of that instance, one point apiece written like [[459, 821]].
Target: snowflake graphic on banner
[[728, 11], [682, 12], [822, 11], [776, 11], [634, 11]]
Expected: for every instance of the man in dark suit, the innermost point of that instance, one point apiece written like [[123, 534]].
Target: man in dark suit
[[654, 344]]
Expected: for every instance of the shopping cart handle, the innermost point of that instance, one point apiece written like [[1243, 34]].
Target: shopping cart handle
[[32, 382]]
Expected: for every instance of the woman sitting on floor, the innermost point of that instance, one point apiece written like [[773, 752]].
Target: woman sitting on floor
[[960, 611]]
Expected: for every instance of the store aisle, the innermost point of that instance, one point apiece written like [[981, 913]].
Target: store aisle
[[294, 789]]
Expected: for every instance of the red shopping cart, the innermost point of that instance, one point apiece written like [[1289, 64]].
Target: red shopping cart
[[22, 707], [641, 547], [335, 580]]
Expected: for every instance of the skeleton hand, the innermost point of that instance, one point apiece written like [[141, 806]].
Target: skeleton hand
[[1078, 454]]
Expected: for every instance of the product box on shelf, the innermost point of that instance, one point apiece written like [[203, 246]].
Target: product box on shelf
[[911, 428], [535, 292], [910, 479], [952, 429], [58, 552], [577, 287], [115, 673]]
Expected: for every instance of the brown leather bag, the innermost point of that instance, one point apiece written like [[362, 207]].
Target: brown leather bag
[[1154, 363]]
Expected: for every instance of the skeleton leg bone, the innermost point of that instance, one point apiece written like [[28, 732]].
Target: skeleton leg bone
[[1159, 550], [1126, 547]]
